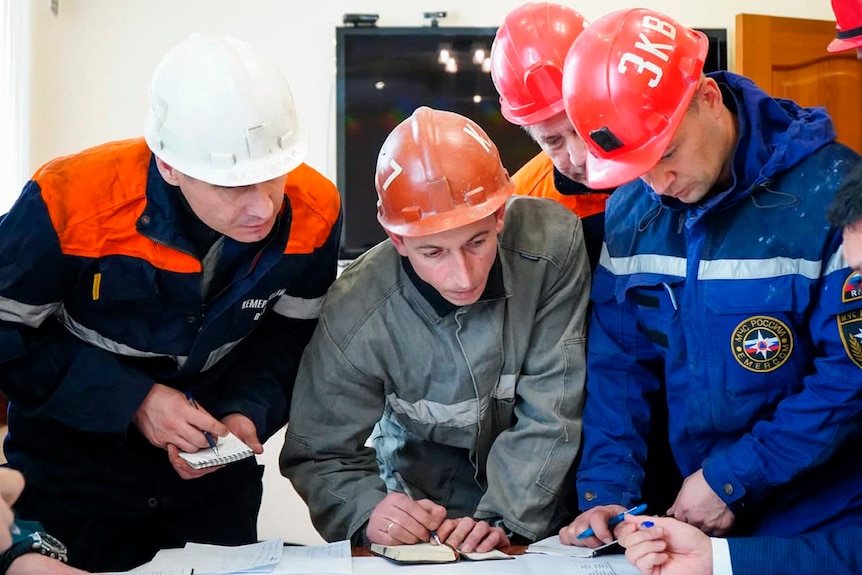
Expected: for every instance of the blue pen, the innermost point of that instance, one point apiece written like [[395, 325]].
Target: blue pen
[[210, 441], [614, 521], [403, 485]]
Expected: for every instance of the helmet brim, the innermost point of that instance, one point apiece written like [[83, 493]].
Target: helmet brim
[[842, 45], [449, 220]]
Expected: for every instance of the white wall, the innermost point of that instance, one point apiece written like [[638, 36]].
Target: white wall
[[91, 66]]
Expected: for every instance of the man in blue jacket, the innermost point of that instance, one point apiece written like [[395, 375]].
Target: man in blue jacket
[[138, 274], [720, 281]]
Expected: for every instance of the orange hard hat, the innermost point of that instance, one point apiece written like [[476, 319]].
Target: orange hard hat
[[438, 171], [848, 16], [627, 83], [527, 59]]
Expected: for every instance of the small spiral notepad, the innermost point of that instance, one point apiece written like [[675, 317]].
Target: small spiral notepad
[[230, 449]]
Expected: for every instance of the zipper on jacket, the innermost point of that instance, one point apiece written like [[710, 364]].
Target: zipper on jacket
[[670, 293]]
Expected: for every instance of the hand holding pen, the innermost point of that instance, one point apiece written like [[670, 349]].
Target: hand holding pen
[[616, 520], [406, 490], [597, 523], [210, 440], [166, 417]]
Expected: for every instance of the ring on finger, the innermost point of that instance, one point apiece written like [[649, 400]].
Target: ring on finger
[[388, 527]]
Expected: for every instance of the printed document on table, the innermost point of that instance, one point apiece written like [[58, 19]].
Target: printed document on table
[[331, 559], [553, 546], [380, 566], [540, 564], [220, 559], [139, 571]]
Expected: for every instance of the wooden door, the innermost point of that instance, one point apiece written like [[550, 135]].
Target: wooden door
[[787, 57]]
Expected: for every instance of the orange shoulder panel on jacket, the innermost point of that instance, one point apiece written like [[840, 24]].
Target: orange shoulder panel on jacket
[[536, 178], [315, 206], [94, 199]]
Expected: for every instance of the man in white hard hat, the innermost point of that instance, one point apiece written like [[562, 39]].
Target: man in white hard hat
[[156, 290]]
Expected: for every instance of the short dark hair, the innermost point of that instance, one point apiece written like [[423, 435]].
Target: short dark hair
[[846, 208]]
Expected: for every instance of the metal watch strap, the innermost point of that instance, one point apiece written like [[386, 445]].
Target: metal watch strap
[[36, 542]]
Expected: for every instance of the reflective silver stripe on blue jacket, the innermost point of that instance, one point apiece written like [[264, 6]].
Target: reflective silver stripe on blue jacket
[[713, 269], [95, 338], [297, 307], [15, 311]]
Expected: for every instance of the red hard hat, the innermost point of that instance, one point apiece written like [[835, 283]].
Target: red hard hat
[[527, 59], [627, 83], [848, 16], [438, 171]]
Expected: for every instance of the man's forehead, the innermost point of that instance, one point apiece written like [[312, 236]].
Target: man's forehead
[[551, 127]]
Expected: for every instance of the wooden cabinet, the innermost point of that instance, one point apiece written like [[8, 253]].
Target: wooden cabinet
[[787, 57]]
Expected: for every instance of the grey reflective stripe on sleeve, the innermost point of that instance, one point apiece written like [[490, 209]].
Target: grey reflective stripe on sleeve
[[460, 414], [506, 387], [758, 269], [297, 307], [643, 264], [216, 354], [836, 262], [95, 338], [15, 311]]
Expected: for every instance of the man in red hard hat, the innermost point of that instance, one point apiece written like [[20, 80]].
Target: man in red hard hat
[[721, 284], [527, 59], [848, 22], [457, 345], [673, 547]]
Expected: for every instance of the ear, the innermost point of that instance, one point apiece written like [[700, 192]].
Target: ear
[[168, 172], [500, 214], [710, 94], [398, 242]]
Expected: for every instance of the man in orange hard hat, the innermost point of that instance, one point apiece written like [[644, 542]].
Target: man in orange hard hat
[[457, 345], [721, 284], [527, 59]]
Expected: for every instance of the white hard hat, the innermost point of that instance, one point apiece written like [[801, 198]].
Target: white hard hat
[[221, 113]]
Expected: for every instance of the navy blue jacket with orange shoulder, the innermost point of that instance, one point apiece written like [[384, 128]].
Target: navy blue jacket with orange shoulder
[[101, 297]]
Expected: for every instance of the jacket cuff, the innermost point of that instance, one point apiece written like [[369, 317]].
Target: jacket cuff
[[594, 495], [716, 471]]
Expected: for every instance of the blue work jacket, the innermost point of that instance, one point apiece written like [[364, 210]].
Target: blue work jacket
[[743, 308], [101, 297]]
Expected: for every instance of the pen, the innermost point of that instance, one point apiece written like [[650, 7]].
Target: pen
[[403, 485], [210, 441], [612, 522]]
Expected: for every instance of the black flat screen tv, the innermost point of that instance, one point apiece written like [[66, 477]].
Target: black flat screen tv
[[383, 74]]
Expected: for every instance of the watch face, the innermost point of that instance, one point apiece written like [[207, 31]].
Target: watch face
[[49, 545]]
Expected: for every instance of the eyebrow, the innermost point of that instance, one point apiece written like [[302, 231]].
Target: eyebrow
[[432, 246]]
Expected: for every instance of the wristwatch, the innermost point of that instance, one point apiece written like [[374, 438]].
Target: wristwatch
[[35, 542]]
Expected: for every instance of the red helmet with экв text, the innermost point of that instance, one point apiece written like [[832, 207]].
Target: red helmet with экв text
[[527, 59], [627, 83], [438, 171]]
